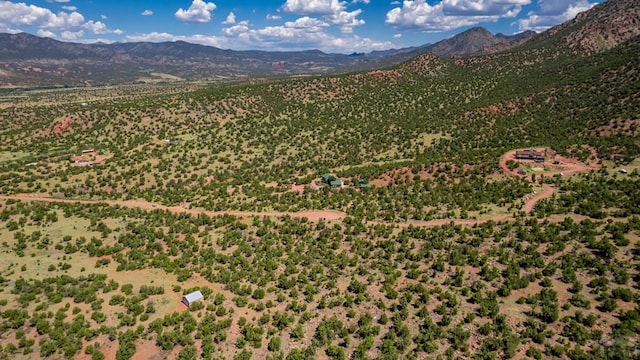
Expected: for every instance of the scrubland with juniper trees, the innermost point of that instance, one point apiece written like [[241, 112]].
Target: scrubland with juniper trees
[[83, 278]]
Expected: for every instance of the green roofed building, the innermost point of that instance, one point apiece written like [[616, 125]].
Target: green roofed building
[[331, 180]]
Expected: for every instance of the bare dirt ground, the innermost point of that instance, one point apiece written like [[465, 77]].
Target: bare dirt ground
[[90, 158], [147, 350], [565, 166], [406, 173], [617, 126], [402, 174], [62, 126], [297, 188]]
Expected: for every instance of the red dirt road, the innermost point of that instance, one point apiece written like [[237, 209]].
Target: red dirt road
[[311, 215], [531, 203]]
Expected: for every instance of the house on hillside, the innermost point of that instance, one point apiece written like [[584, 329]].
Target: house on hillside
[[363, 184], [331, 180], [192, 297], [529, 155]]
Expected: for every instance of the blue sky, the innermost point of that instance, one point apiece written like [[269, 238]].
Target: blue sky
[[328, 25]]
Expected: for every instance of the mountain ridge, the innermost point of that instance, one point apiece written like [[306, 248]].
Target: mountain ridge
[[36, 61], [476, 40], [603, 27], [31, 61]]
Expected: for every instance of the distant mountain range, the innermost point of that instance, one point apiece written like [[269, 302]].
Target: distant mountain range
[[476, 41], [28, 61], [31, 61]]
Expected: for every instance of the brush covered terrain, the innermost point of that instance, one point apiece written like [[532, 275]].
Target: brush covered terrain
[[448, 252]]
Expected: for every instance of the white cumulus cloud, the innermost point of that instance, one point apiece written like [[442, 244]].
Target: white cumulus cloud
[[346, 20], [237, 29], [8, 30], [302, 34], [313, 7], [72, 23], [333, 11], [45, 33], [231, 19], [306, 23], [31, 15], [199, 11], [164, 36], [72, 35], [147, 13], [552, 13], [501, 8], [451, 14], [96, 27]]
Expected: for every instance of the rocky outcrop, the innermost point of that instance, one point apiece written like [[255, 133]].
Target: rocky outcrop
[[601, 28]]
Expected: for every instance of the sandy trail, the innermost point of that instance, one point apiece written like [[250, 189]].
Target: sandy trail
[[311, 215]]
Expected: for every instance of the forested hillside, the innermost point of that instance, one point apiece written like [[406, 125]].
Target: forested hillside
[[480, 207]]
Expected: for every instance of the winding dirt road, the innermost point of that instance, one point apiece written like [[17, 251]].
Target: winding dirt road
[[531, 203], [311, 215], [571, 166]]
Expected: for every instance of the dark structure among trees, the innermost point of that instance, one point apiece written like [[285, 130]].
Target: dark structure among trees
[[529, 155], [331, 180]]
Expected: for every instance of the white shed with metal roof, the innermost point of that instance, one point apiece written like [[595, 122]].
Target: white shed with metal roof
[[192, 297]]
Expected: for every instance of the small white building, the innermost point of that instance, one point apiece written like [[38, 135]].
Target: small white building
[[192, 297]]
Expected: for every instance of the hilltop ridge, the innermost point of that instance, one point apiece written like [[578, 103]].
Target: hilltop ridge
[[603, 27]]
